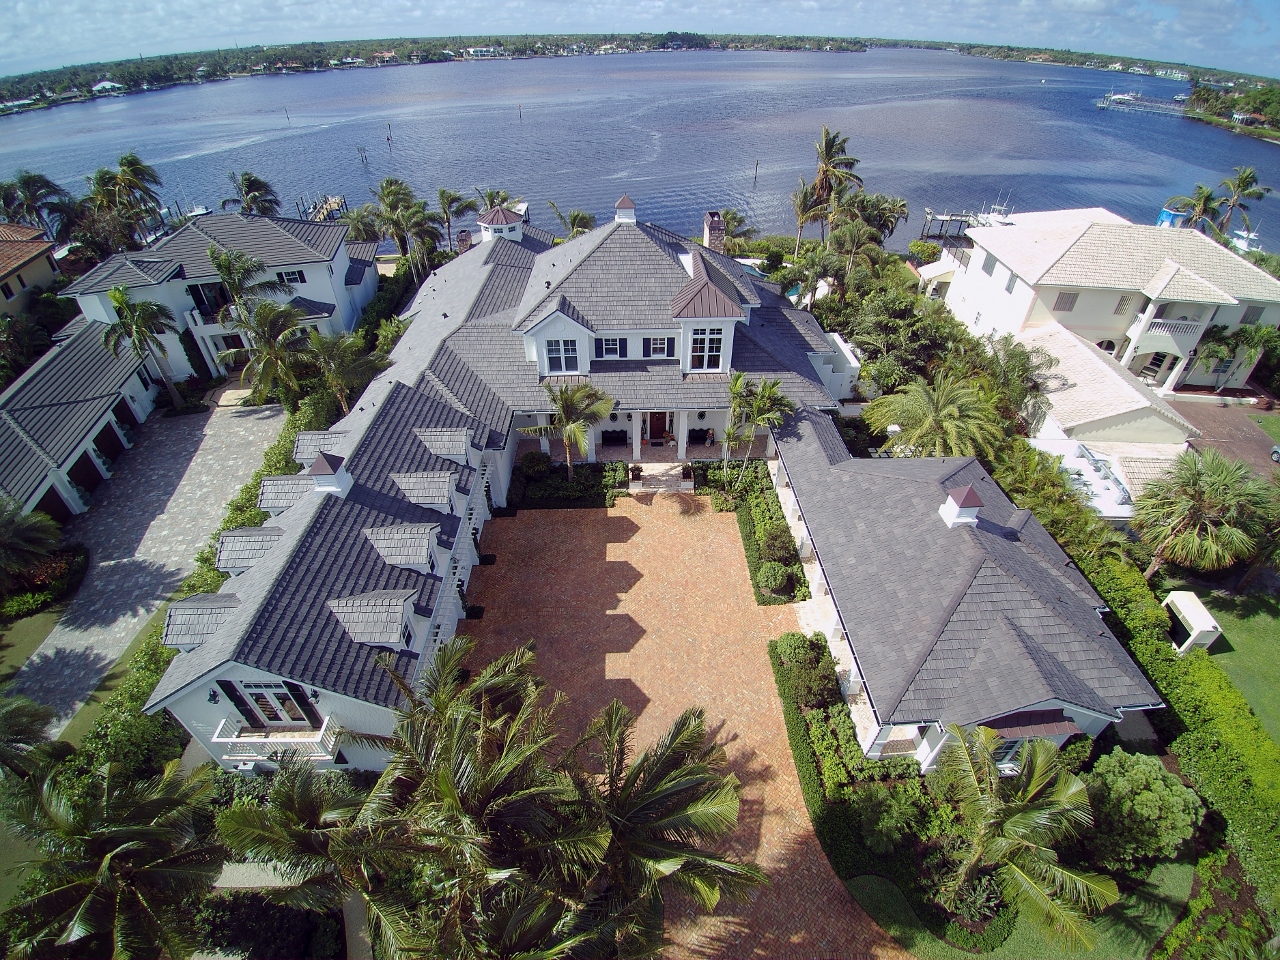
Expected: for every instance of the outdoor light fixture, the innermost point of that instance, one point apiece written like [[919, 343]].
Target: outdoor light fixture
[[315, 695], [213, 695]]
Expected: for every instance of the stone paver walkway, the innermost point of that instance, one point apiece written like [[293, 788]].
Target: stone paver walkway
[[653, 605], [168, 493]]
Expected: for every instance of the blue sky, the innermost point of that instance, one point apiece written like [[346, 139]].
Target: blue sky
[[1232, 34]]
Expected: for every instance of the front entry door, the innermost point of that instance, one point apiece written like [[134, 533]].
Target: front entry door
[[657, 427]]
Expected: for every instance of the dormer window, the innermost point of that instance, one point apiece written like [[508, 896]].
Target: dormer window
[[562, 356], [611, 346], [707, 343], [406, 635]]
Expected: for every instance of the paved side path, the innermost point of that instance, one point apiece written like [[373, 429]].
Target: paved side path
[[169, 492]]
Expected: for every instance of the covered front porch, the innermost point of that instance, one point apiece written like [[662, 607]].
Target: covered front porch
[[647, 436], [666, 453]]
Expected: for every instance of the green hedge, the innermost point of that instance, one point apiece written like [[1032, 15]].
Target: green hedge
[[386, 303], [51, 579], [1221, 747]]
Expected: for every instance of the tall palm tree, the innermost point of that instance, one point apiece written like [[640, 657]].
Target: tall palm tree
[[24, 725], [835, 166], [1015, 822], [24, 539], [880, 211], [1016, 375], [859, 242], [274, 333], [575, 409], [30, 198], [253, 195], [765, 407], [116, 871], [489, 199], [666, 809], [819, 264], [1207, 512], [343, 363], [1242, 186], [1202, 207], [948, 419], [139, 323], [737, 231], [807, 208], [576, 223], [245, 280], [362, 222], [453, 207], [137, 182]]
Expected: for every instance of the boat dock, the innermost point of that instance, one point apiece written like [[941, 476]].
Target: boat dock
[[321, 208], [1137, 103]]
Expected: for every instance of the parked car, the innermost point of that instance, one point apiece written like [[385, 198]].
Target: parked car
[[1275, 453]]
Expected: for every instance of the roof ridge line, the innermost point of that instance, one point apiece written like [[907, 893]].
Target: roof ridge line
[[1085, 227]]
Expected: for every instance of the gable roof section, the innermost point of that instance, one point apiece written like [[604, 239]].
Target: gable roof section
[[957, 624], [125, 270], [702, 297], [244, 546], [281, 493], [376, 617], [16, 252], [193, 620]]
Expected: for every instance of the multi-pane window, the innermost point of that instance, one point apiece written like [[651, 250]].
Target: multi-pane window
[[1251, 315], [570, 349], [707, 344], [1013, 282], [989, 264], [562, 355], [406, 634], [1065, 303], [1006, 751], [6, 290], [291, 276], [272, 699], [1221, 367], [1122, 306], [610, 346], [658, 347]]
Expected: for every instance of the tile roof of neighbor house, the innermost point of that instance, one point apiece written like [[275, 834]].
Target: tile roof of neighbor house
[[19, 245], [964, 624], [20, 231], [1096, 248], [50, 409], [276, 241], [283, 623], [1088, 385]]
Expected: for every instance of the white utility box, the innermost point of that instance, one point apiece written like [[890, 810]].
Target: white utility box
[[1190, 624]]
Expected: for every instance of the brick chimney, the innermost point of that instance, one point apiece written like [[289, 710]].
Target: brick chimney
[[464, 241], [961, 506], [713, 231]]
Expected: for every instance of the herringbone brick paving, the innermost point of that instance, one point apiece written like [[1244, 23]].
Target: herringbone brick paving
[[650, 602]]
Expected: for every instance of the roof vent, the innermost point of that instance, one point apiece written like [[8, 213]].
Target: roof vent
[[330, 474], [624, 211], [1017, 521], [961, 506]]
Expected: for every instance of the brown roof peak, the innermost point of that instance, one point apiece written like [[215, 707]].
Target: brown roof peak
[[965, 497], [626, 203], [498, 216], [325, 465]]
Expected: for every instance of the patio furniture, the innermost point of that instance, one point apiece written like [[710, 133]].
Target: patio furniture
[[613, 438]]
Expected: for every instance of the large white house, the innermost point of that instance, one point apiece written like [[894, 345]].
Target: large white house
[[331, 279], [1143, 294]]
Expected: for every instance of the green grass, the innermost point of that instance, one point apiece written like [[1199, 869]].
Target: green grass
[[20, 639], [1127, 931], [1249, 650], [1269, 422]]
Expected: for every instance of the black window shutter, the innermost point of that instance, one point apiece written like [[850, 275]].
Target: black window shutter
[[622, 348], [302, 277], [250, 715], [599, 348], [671, 347], [280, 276], [646, 346], [306, 706]]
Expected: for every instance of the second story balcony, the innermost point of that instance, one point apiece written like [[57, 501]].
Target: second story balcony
[[236, 740], [1167, 336]]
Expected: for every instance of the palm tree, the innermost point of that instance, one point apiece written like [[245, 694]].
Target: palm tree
[[489, 199], [807, 208], [243, 277], [30, 198], [737, 231], [1202, 207], [835, 166], [1267, 555], [1015, 822], [666, 808], [453, 207], [137, 181], [819, 264], [576, 223], [117, 867], [1242, 186], [764, 407], [140, 324], [24, 539], [1207, 512], [859, 242], [362, 222], [880, 211], [24, 725], [253, 195], [1016, 375], [273, 332], [947, 419], [575, 409], [343, 363]]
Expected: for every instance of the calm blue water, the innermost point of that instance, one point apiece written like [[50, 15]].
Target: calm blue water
[[681, 133]]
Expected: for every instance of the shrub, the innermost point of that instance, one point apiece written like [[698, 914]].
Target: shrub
[[48, 580], [811, 672], [995, 933], [248, 924], [777, 545], [887, 815], [390, 331], [924, 251], [772, 577], [978, 900], [1075, 753], [386, 303], [535, 464], [1140, 810], [195, 359]]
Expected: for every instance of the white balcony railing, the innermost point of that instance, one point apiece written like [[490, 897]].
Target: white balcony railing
[[1176, 328], [239, 741]]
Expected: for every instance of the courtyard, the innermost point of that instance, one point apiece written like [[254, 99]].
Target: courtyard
[[649, 602]]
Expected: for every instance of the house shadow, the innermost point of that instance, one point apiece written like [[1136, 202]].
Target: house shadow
[[59, 678], [125, 588]]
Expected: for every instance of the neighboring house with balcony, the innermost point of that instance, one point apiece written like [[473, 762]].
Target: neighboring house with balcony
[[67, 417], [26, 264], [332, 279], [1143, 294], [943, 603]]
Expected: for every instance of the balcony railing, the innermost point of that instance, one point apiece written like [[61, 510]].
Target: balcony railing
[[239, 741], [1176, 328]]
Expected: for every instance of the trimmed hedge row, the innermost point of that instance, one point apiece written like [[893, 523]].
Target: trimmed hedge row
[[1222, 748]]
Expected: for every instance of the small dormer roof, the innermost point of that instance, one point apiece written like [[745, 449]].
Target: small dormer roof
[[404, 544], [445, 441], [311, 442], [241, 548], [325, 464], [499, 216], [376, 617], [192, 621], [625, 203], [430, 489], [703, 298]]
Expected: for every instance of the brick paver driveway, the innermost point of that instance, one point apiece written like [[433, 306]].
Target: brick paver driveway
[[167, 494], [1230, 431], [653, 607]]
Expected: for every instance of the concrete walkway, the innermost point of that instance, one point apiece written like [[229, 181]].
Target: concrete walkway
[[147, 523]]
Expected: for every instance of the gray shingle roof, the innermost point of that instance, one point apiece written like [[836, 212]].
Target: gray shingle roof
[[241, 548], [376, 617], [446, 441], [960, 624], [310, 443], [195, 619], [48, 411], [312, 308], [404, 544], [434, 489], [281, 493]]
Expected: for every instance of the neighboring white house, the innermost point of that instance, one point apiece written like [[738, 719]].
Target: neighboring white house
[[332, 279], [1143, 294], [106, 86]]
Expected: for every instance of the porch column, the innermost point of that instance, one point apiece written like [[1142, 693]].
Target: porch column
[[1131, 351], [770, 449], [1171, 381], [682, 432], [637, 425], [592, 434], [544, 442]]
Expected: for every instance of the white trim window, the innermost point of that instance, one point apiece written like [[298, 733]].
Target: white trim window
[[1066, 302], [707, 348], [562, 356], [610, 346], [291, 276]]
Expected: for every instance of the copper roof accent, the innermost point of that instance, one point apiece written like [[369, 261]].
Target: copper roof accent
[[626, 203], [965, 497], [1033, 723], [499, 216], [325, 465], [701, 297]]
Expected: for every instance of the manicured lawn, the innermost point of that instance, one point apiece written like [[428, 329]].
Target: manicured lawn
[[1249, 650], [1269, 422], [19, 640], [1127, 931]]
